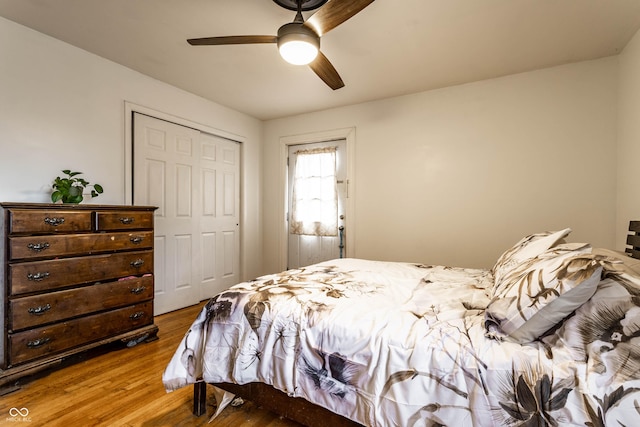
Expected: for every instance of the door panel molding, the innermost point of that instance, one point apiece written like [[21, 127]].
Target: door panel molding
[[195, 223], [130, 108]]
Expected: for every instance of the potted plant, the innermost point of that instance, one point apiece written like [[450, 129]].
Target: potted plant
[[69, 189]]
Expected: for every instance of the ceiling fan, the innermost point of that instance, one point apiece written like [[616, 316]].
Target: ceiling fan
[[299, 41]]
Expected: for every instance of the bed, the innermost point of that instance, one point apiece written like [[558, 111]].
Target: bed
[[550, 335]]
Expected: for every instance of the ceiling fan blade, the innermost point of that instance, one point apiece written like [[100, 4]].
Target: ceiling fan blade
[[334, 13], [210, 41], [325, 70]]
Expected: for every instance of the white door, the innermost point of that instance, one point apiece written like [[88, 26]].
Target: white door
[[219, 214], [306, 249], [193, 179]]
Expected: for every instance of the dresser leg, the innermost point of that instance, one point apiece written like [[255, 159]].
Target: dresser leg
[[9, 389], [153, 335]]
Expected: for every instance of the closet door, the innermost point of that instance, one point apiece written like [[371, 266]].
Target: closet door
[[219, 215], [193, 179]]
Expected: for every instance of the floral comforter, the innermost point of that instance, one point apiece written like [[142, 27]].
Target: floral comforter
[[400, 344]]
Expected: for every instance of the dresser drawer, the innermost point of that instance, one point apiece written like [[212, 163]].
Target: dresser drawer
[[45, 341], [35, 310], [48, 221], [123, 220], [38, 276], [75, 244]]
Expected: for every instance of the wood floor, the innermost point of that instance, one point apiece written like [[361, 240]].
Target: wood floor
[[123, 387]]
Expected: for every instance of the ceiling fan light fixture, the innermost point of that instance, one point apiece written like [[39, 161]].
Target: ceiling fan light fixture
[[298, 52], [297, 44], [299, 41]]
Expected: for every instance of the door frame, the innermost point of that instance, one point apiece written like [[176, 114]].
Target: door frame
[[349, 135], [130, 108]]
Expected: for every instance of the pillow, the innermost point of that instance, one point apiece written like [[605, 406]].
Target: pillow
[[620, 267], [528, 247], [534, 298], [627, 263]]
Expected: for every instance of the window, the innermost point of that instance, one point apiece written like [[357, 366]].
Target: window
[[315, 196]]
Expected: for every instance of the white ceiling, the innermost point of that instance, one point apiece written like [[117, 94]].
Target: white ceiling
[[392, 47]]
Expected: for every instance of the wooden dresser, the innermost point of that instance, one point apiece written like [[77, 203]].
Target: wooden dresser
[[73, 277]]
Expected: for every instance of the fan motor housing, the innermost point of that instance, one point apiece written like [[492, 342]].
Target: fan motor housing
[[297, 31], [306, 4]]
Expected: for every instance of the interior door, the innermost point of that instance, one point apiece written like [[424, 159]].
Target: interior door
[[304, 250], [220, 214], [193, 179]]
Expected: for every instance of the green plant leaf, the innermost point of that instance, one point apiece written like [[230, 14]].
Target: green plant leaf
[[74, 199], [70, 189]]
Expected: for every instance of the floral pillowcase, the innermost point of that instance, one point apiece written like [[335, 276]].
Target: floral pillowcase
[[527, 248], [537, 283]]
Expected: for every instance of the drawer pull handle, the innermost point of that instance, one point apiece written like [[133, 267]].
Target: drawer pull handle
[[38, 247], [137, 315], [138, 290], [127, 220], [39, 310], [38, 277], [137, 263], [136, 239], [55, 221], [38, 343]]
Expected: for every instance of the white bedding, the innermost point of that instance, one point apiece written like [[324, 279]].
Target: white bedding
[[400, 344]]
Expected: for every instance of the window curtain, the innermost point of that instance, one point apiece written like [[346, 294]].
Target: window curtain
[[315, 194]]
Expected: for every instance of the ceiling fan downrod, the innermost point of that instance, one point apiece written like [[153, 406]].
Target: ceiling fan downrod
[[306, 5]]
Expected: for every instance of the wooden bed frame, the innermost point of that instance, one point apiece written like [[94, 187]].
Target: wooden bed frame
[[293, 408], [308, 414]]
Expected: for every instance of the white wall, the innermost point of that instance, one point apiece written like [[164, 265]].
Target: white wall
[[455, 176], [450, 176], [628, 207], [64, 108]]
